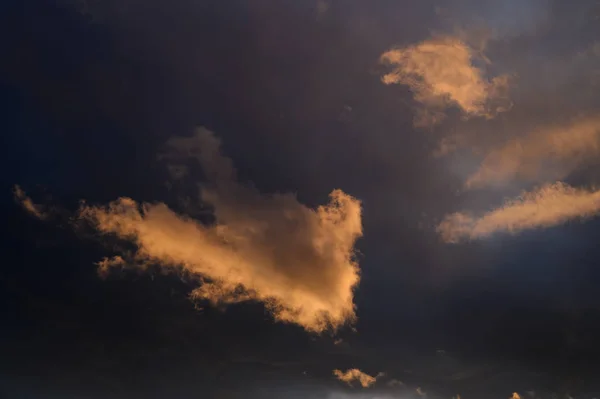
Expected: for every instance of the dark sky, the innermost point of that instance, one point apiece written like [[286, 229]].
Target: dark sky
[[90, 92]]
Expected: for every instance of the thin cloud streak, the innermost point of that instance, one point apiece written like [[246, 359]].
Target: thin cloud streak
[[27, 204], [550, 205], [443, 72], [298, 261], [547, 154]]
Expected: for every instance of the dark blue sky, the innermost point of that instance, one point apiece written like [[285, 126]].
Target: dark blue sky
[[91, 90]]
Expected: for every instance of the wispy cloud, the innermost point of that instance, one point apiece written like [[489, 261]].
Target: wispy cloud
[[322, 8], [107, 264], [549, 205], [445, 72], [547, 154], [298, 261], [351, 375], [395, 383], [496, 20], [27, 204]]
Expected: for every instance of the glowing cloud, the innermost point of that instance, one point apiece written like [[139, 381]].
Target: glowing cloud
[[33, 209], [442, 72], [298, 261], [550, 205], [546, 154], [352, 375]]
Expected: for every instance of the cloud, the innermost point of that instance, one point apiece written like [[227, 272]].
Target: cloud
[[322, 8], [26, 203], [395, 383], [106, 264], [499, 20], [443, 72], [549, 205], [298, 261], [549, 153], [352, 375], [565, 77]]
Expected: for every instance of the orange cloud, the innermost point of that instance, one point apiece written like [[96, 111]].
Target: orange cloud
[[352, 375], [547, 206], [22, 199], [442, 72], [106, 264], [546, 154], [298, 261]]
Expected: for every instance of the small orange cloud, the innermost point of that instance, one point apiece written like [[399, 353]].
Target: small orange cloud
[[549, 153], [298, 261], [106, 264], [352, 375], [27, 204], [549, 205], [442, 72]]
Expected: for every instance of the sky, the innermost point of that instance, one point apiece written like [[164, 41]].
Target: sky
[[339, 199]]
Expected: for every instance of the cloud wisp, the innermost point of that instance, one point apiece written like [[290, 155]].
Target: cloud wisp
[[444, 72], [547, 206], [547, 154], [349, 376], [296, 260], [27, 204], [106, 265]]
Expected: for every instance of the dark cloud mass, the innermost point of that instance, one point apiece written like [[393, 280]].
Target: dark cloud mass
[[387, 199]]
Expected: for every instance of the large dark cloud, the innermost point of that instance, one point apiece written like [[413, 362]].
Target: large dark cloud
[[94, 89]]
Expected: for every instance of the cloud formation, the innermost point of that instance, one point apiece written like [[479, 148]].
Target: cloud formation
[[547, 154], [270, 248], [395, 383], [444, 72], [549, 205], [27, 204], [107, 264], [352, 375]]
